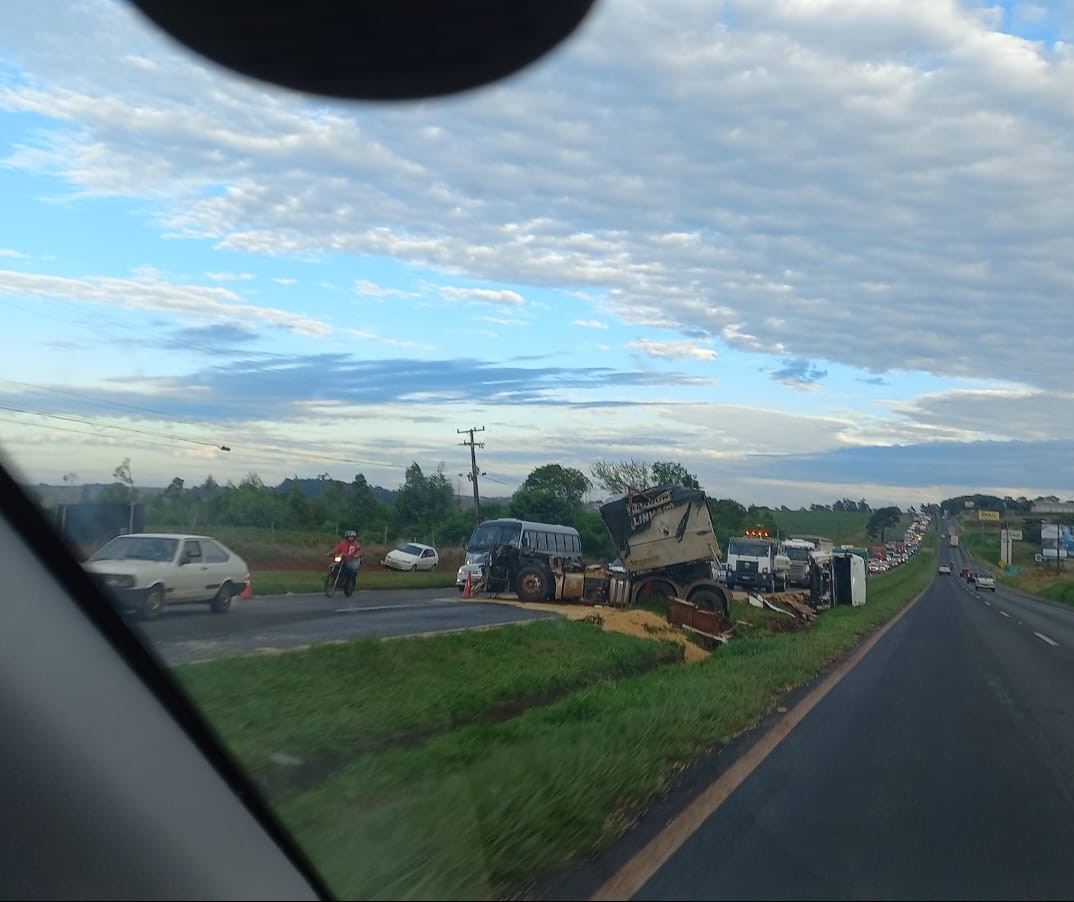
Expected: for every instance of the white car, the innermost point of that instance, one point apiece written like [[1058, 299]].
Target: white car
[[412, 557], [945, 569], [145, 571]]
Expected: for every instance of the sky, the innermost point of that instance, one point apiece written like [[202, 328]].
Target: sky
[[811, 249]]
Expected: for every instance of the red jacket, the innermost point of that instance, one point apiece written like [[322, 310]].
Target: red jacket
[[349, 548]]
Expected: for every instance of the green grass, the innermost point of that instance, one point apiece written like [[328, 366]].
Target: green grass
[[329, 703], [481, 811], [843, 528], [280, 582], [472, 806]]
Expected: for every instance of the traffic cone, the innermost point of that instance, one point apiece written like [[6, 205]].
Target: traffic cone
[[466, 593], [248, 592]]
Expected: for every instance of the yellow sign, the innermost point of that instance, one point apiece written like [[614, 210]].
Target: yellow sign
[[987, 515]]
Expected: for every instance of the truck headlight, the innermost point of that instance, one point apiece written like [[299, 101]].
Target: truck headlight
[[119, 581]]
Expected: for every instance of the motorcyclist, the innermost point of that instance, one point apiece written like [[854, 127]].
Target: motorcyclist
[[351, 551]]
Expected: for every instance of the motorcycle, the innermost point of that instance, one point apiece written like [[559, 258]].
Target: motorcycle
[[339, 577]]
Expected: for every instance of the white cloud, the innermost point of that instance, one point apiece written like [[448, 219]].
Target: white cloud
[[1030, 12], [230, 276], [149, 292], [488, 295], [372, 289], [590, 324], [673, 349], [8, 252], [882, 184], [1021, 414], [285, 281]]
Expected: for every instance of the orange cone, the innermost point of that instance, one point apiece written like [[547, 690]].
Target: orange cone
[[248, 592], [466, 593]]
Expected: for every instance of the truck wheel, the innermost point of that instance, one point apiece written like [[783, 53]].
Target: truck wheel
[[712, 600], [533, 583]]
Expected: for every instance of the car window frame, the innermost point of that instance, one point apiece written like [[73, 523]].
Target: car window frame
[[30, 525]]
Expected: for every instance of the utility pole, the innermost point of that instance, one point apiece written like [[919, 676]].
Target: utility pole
[[474, 473]]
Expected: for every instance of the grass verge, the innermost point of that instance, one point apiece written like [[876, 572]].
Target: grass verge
[[482, 810], [331, 703], [280, 582]]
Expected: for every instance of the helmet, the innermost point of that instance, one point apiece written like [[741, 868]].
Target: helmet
[[350, 534]]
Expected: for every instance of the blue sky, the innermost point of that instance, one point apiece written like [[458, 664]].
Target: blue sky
[[808, 249]]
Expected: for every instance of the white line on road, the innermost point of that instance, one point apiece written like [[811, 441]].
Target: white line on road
[[987, 602], [381, 607], [1044, 638], [1005, 614]]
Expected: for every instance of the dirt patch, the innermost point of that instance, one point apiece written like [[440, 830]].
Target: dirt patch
[[632, 622]]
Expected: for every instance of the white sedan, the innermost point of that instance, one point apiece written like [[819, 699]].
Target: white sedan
[[412, 557], [145, 571]]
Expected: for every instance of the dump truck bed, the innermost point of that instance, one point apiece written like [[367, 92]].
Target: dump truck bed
[[661, 527]]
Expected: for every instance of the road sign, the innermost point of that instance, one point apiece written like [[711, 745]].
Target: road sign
[[1015, 535], [987, 515]]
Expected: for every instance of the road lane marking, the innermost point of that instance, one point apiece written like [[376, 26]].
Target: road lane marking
[[632, 876], [382, 607], [1044, 638], [1005, 614]]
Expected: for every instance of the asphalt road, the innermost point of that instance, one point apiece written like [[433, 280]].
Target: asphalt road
[[185, 633], [942, 766]]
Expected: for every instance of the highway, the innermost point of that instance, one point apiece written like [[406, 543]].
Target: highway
[[941, 766], [186, 633]]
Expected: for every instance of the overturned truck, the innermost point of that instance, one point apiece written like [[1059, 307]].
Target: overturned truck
[[666, 544]]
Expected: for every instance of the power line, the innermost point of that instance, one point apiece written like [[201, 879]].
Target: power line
[[143, 442], [101, 426], [260, 452]]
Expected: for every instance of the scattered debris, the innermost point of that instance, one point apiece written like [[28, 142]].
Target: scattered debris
[[690, 616]]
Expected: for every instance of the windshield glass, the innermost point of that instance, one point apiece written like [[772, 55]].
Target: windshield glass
[[748, 547], [806, 263], [797, 553], [489, 535], [137, 548]]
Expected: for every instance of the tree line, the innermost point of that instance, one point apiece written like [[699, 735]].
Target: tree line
[[425, 507]]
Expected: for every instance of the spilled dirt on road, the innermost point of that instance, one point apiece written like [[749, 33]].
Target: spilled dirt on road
[[632, 622]]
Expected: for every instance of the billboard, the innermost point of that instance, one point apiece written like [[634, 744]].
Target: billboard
[[987, 515], [1055, 536]]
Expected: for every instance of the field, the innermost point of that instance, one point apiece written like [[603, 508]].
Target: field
[[467, 766], [842, 527]]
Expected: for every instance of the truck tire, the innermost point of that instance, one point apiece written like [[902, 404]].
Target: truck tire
[[533, 583], [711, 600]]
